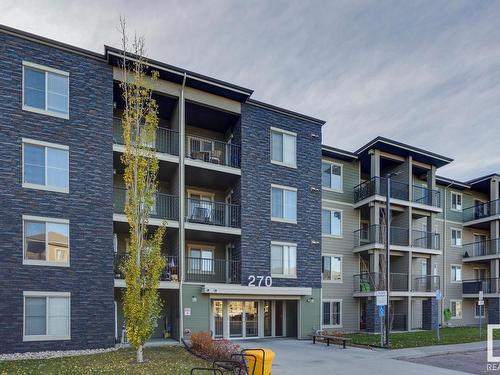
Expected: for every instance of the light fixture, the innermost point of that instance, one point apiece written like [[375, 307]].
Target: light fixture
[[310, 300], [194, 299]]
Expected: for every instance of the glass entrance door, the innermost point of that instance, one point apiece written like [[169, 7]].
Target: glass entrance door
[[251, 319], [218, 312], [268, 318], [235, 314]]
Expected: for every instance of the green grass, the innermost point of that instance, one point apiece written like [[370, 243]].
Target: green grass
[[160, 360], [450, 335]]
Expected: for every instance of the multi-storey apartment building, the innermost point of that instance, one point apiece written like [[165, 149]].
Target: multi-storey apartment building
[[269, 233]]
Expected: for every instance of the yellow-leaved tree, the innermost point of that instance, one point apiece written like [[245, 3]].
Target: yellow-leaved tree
[[144, 263]]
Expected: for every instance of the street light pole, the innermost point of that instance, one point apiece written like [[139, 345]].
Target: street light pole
[[387, 258]]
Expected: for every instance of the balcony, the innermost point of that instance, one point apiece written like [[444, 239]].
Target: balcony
[[170, 272], [212, 151], [165, 206], [482, 212], [376, 235], [428, 197], [425, 283], [212, 213], [487, 286], [213, 271], [167, 140], [482, 248], [367, 282]]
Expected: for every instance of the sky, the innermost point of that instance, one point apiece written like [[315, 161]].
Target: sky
[[426, 73]]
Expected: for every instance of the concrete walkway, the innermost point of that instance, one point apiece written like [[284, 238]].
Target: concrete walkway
[[302, 357]]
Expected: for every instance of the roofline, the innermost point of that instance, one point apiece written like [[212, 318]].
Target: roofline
[[340, 152], [482, 178], [405, 146], [284, 111], [51, 42], [108, 50], [450, 181]]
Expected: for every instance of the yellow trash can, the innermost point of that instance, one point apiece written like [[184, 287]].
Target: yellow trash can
[[263, 358]]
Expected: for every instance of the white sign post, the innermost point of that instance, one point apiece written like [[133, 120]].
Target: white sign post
[[439, 297], [481, 311], [381, 297], [381, 301]]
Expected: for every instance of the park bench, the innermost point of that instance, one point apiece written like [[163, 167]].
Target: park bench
[[336, 339]]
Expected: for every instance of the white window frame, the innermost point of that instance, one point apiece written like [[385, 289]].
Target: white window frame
[[476, 304], [201, 247], [341, 190], [46, 295], [461, 237], [282, 131], [46, 70], [341, 281], [461, 308], [282, 244], [31, 262], [451, 273], [282, 219], [46, 145], [461, 201], [330, 301], [330, 235]]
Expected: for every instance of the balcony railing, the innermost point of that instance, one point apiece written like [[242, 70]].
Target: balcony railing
[[167, 140], [213, 151], [169, 273], [481, 211], [376, 234], [482, 248], [378, 186], [165, 206], [213, 270], [426, 283], [426, 196], [426, 240], [212, 213], [373, 281], [490, 285]]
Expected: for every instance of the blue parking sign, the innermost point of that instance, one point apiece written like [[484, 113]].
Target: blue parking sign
[[381, 311]]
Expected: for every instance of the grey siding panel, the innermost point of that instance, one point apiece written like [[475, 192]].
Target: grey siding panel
[[350, 179]]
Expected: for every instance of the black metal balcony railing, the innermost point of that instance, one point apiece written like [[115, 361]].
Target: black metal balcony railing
[[482, 248], [165, 206], [426, 196], [376, 234], [213, 151], [425, 283], [167, 140], [481, 211], [425, 240], [212, 213], [373, 281], [169, 273], [490, 285], [213, 270], [378, 186]]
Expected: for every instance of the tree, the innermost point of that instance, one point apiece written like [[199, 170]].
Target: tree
[[144, 263]]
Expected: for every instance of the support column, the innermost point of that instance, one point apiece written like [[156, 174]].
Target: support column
[[430, 313], [372, 318], [493, 310]]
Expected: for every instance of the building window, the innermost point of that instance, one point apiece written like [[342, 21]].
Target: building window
[[46, 316], [332, 268], [201, 259], [456, 273], [331, 176], [46, 241], [283, 203], [456, 237], [283, 147], [478, 310], [456, 201], [331, 222], [283, 259], [332, 313], [456, 309], [45, 166], [45, 90]]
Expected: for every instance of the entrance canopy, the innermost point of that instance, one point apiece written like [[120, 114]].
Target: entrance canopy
[[242, 290]]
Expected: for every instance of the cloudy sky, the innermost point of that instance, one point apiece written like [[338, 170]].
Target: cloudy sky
[[422, 72]]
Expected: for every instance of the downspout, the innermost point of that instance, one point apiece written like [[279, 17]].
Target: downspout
[[444, 251], [182, 245]]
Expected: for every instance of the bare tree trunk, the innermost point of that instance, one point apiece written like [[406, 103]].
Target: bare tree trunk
[[140, 359]]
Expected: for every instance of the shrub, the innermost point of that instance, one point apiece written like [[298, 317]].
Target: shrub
[[210, 349]]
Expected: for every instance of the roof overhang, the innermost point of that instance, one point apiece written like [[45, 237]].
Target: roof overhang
[[483, 183], [337, 153], [230, 289], [445, 181]]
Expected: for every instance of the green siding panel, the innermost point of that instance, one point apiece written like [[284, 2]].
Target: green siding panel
[[350, 177]]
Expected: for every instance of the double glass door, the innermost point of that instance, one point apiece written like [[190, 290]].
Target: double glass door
[[243, 318]]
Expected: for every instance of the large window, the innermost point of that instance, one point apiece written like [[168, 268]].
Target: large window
[[331, 222], [201, 259], [456, 201], [283, 203], [46, 316], [456, 273], [283, 259], [46, 241], [331, 176], [456, 309], [45, 90], [332, 268], [456, 237], [45, 166], [283, 147], [332, 313]]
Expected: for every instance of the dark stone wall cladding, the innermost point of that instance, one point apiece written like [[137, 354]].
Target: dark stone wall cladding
[[493, 309], [258, 173], [88, 206], [430, 313]]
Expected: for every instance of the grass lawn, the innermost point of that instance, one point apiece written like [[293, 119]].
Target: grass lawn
[[160, 360], [449, 335]]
